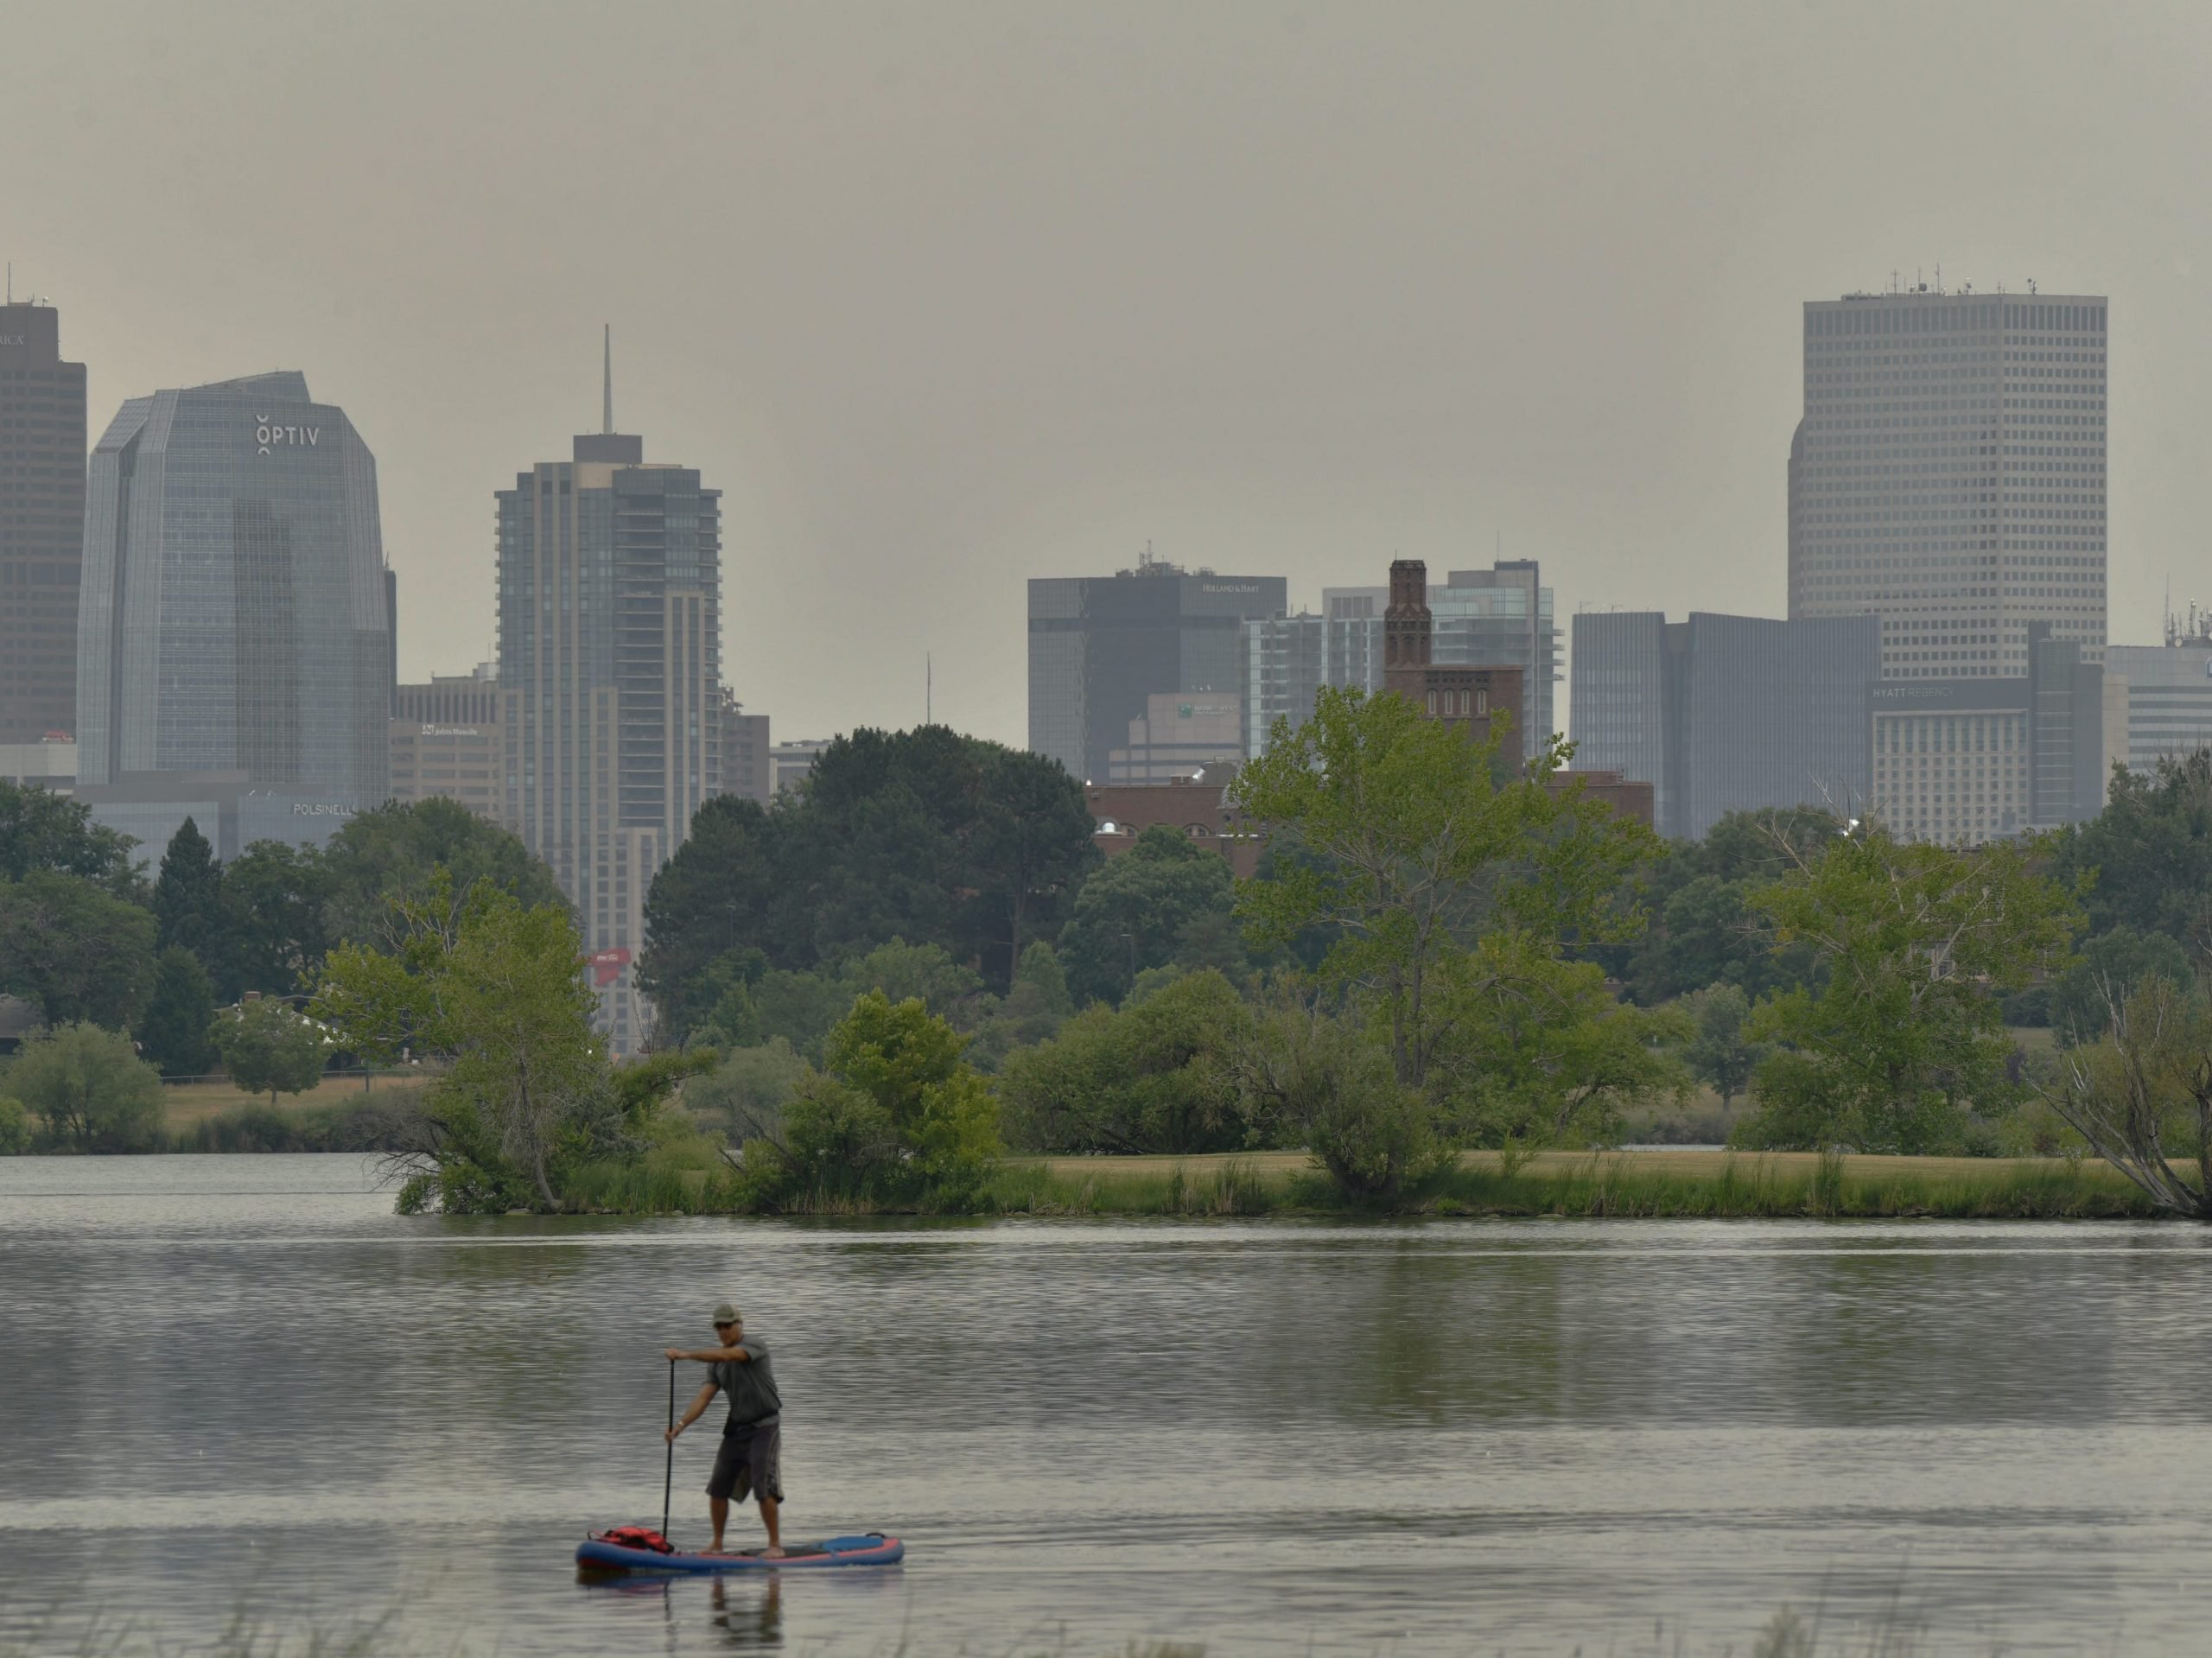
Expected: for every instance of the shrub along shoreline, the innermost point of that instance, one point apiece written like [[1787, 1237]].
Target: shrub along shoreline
[[1599, 1185]]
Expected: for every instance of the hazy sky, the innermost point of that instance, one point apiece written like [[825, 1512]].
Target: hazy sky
[[946, 296]]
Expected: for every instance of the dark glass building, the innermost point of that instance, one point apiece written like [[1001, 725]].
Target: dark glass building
[[1100, 645], [42, 523], [1723, 714], [233, 634]]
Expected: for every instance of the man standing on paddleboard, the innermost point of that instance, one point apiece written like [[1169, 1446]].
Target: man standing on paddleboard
[[749, 1461]]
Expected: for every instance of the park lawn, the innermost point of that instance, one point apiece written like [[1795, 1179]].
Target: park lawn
[[187, 1104]]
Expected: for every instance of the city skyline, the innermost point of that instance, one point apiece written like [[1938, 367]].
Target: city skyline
[[948, 306]]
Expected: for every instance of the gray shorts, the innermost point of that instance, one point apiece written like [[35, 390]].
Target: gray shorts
[[749, 1463]]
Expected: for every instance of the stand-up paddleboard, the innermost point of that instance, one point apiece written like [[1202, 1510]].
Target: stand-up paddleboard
[[871, 1548]]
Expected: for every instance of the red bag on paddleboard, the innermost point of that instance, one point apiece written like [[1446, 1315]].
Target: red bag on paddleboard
[[635, 1537]]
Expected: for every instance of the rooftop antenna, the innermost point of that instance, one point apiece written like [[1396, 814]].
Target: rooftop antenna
[[929, 691], [606, 378], [11, 281]]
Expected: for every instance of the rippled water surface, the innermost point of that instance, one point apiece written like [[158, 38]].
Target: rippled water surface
[[243, 1383]]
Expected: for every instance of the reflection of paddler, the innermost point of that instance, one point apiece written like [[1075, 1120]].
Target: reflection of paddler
[[760, 1624], [749, 1462]]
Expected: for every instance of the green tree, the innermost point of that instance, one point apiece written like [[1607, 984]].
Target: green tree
[[923, 835], [1704, 928], [2113, 965], [93, 1093], [173, 1033], [71, 947], [189, 906], [266, 1044], [1538, 1053], [400, 851], [1919, 944], [1153, 1075], [746, 1092], [2141, 1093], [1033, 1010], [494, 992], [1313, 1075], [15, 1128], [2147, 856], [1136, 911], [1417, 851], [1718, 1052], [42, 830], [894, 1115], [278, 898]]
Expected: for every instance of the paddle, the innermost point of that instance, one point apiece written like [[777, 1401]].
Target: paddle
[[667, 1481]]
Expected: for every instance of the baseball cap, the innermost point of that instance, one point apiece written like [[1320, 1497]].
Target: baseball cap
[[727, 1314]]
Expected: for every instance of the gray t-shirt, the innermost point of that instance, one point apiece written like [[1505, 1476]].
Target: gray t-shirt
[[749, 1385]]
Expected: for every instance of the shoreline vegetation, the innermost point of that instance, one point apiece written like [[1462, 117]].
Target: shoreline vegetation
[[1592, 1185]]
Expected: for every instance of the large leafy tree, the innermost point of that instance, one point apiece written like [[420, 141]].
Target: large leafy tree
[[267, 1043], [278, 900], [1142, 911], [94, 1092], [1704, 928], [73, 947], [1417, 851], [398, 850], [493, 991], [1905, 1036], [2147, 856], [1157, 1075], [42, 830], [925, 836]]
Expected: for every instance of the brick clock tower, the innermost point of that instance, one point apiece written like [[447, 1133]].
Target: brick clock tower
[[1480, 698]]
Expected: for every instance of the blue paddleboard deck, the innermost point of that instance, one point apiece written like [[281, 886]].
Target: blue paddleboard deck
[[871, 1548]]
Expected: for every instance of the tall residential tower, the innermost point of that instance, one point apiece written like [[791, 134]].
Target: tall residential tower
[[610, 667], [42, 523]]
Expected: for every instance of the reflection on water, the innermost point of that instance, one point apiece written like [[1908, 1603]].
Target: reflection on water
[[242, 1381]]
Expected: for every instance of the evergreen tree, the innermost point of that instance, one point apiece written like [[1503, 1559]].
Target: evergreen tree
[[174, 1033], [188, 906]]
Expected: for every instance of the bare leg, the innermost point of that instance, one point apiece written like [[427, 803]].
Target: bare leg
[[770, 1511], [719, 1507]]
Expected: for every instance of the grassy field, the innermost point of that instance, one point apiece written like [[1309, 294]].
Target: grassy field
[[185, 1105]]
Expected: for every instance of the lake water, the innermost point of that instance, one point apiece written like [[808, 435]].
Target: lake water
[[241, 1383]]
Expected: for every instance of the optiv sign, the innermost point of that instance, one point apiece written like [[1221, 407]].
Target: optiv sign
[[269, 436]]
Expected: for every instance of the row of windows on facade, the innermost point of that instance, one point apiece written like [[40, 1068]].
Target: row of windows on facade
[[2019, 315]]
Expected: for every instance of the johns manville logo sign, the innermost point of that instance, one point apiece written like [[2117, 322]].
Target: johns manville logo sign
[[270, 436]]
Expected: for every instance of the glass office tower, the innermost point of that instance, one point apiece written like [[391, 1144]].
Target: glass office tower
[[233, 633]]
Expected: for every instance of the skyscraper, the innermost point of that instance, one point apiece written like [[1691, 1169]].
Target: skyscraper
[[42, 523], [1948, 477], [1099, 647], [610, 664], [233, 652]]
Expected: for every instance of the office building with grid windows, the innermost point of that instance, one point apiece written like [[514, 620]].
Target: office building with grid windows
[[42, 525], [233, 638], [610, 672], [1947, 477]]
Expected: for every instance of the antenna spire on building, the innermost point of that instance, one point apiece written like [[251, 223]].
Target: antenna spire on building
[[606, 378]]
